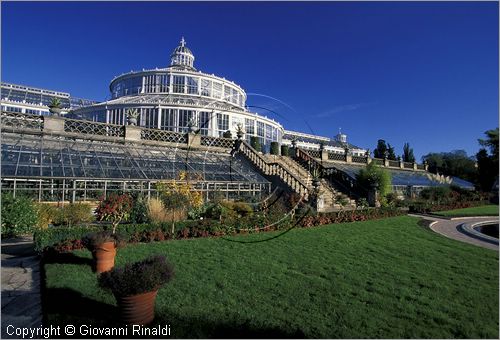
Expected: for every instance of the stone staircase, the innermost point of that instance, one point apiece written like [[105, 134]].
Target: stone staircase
[[329, 199]]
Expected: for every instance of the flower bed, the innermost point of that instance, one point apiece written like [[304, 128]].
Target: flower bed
[[65, 239]]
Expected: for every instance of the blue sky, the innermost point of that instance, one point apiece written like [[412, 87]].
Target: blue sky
[[419, 72]]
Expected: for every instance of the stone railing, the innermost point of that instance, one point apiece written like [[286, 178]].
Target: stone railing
[[217, 142], [274, 169], [163, 136], [336, 156], [348, 158], [91, 128], [337, 178], [21, 121], [74, 128]]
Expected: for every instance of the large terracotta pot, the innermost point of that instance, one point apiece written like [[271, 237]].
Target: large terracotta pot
[[137, 309], [104, 257]]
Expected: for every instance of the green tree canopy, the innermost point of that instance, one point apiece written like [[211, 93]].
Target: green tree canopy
[[381, 149], [455, 163], [373, 175], [487, 164], [391, 154], [408, 153]]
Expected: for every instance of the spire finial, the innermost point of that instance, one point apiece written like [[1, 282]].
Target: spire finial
[[183, 42]]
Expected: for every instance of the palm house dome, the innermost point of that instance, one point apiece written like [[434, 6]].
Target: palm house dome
[[182, 56]]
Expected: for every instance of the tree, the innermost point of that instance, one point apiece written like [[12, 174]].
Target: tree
[[391, 154], [491, 142], [374, 176], [380, 150], [487, 170], [179, 196], [114, 208], [408, 153], [455, 163], [487, 164]]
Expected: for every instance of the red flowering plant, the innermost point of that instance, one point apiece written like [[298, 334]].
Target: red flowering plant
[[114, 208]]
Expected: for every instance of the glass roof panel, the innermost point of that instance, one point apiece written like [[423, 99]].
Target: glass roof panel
[[47, 156]]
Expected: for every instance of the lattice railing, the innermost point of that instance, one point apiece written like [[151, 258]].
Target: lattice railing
[[378, 161], [421, 166], [336, 156], [359, 159], [314, 153], [163, 136], [217, 142], [408, 165], [93, 128], [21, 121]]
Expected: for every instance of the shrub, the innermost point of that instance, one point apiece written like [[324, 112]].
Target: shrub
[[255, 143], [73, 214], [92, 240], [69, 238], [51, 237], [436, 194], [19, 215], [285, 150], [227, 134], [242, 208], [114, 208], [47, 214], [156, 211], [275, 148], [139, 212], [139, 277], [373, 175]]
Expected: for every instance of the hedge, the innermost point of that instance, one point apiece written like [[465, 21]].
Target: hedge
[[68, 237], [424, 207], [63, 239]]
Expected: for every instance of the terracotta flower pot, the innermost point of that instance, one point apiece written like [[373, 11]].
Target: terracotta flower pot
[[137, 309], [104, 257]]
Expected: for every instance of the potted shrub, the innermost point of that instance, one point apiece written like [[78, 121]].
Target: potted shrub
[[55, 106], [114, 208], [103, 246], [135, 287]]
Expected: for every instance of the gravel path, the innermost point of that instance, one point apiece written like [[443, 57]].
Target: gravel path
[[449, 228]]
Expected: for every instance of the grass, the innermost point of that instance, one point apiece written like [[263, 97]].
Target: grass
[[483, 210], [388, 278]]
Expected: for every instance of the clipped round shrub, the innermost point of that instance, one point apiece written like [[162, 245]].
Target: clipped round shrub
[[285, 150], [275, 148]]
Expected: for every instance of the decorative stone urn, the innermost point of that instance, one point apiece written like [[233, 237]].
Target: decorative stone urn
[[132, 115]]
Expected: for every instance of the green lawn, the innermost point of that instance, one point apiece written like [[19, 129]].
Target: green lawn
[[483, 210], [389, 278]]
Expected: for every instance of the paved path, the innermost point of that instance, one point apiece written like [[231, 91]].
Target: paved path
[[21, 299], [449, 228]]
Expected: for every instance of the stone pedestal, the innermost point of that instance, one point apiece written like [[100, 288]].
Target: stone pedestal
[[193, 140], [53, 124], [132, 133], [324, 155]]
